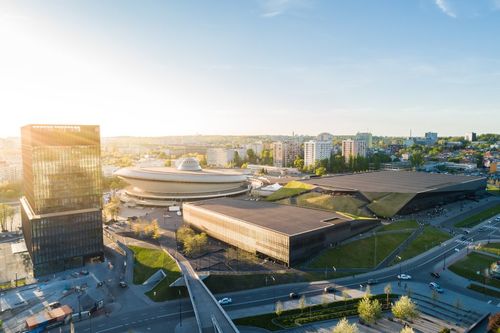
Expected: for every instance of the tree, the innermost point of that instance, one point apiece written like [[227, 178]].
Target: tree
[[6, 213], [407, 329], [321, 171], [404, 308], [416, 159], [369, 310], [345, 296], [302, 303], [387, 291], [298, 163], [155, 229], [112, 208], [278, 309], [368, 291], [237, 159], [494, 323], [343, 326], [252, 157]]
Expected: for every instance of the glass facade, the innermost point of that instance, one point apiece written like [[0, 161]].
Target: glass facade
[[62, 220]]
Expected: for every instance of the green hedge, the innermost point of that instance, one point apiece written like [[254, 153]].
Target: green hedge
[[320, 312]]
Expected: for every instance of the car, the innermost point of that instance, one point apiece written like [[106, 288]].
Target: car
[[372, 281], [404, 277], [457, 249], [100, 284], [75, 274], [466, 232], [84, 272], [328, 289], [293, 295], [436, 287], [435, 274], [123, 284], [54, 305], [225, 301]]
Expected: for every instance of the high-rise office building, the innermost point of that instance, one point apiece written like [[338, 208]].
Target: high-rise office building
[[353, 148], [431, 138], [470, 136], [285, 152], [316, 151], [366, 137], [62, 207]]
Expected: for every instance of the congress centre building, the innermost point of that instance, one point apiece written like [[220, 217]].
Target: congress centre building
[[288, 234], [162, 186]]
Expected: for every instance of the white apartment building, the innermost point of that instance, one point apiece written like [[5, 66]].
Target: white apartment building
[[222, 157], [316, 151], [353, 148], [257, 147], [470, 136], [285, 152]]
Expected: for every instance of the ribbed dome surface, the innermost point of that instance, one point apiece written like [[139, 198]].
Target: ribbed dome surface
[[189, 164]]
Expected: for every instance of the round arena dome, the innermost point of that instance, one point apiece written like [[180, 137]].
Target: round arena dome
[[162, 186]]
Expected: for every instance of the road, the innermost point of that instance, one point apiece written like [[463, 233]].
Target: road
[[163, 318]]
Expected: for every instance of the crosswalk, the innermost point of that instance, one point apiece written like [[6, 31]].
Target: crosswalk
[[463, 242]]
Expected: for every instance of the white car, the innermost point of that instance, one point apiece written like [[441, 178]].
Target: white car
[[404, 277], [225, 300]]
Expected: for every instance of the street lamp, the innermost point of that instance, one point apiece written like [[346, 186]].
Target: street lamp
[[444, 261], [399, 258], [180, 307]]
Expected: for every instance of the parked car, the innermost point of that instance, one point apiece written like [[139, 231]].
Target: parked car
[[123, 284], [404, 277], [436, 275], [225, 301], [436, 287], [329, 289], [75, 274], [84, 272], [293, 295]]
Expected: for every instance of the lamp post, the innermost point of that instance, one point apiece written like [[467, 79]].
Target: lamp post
[[444, 261], [399, 280], [180, 307]]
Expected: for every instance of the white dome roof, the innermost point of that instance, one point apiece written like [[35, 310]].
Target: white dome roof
[[189, 164]]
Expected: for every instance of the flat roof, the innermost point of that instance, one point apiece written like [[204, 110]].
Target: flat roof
[[285, 219], [391, 181]]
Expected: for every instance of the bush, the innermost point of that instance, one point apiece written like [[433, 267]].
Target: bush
[[494, 323]]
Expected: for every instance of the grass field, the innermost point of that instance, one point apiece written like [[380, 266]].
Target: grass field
[[399, 225], [484, 290], [429, 238], [229, 283], [478, 218], [346, 204], [493, 189], [469, 266], [147, 262], [363, 253], [491, 248], [291, 189], [390, 204]]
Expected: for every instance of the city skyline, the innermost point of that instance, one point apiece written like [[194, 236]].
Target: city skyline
[[252, 68]]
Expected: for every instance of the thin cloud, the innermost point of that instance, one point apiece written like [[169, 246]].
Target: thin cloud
[[445, 8], [272, 8]]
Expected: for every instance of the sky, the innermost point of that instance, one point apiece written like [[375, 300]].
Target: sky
[[158, 68]]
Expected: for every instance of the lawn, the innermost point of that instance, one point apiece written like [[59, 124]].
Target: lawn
[[478, 218], [361, 253], [429, 238], [399, 225], [297, 317], [147, 262], [469, 266], [491, 248], [484, 290], [345, 203], [389, 205], [229, 283], [493, 189], [291, 189]]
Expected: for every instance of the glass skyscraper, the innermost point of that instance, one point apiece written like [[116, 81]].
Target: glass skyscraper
[[61, 209]]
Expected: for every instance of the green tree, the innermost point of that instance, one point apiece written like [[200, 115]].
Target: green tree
[[278, 309], [416, 159], [343, 326], [237, 159], [298, 163], [369, 310], [321, 171], [252, 157], [407, 329], [404, 308]]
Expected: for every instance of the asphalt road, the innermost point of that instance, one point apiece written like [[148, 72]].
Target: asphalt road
[[165, 317]]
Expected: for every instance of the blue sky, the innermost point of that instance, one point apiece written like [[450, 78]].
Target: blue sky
[[252, 66]]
